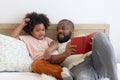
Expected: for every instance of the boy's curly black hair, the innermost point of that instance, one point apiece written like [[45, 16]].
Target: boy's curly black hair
[[35, 19]]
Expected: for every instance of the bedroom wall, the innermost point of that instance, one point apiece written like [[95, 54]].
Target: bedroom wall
[[79, 11]]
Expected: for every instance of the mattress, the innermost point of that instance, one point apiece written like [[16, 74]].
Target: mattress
[[33, 76]]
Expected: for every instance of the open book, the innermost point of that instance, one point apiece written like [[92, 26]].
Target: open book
[[83, 43]]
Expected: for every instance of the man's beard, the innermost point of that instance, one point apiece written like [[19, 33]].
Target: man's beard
[[65, 39]]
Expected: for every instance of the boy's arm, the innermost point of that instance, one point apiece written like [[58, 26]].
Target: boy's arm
[[53, 46], [17, 31]]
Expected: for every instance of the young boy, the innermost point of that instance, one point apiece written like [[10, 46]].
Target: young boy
[[39, 46]]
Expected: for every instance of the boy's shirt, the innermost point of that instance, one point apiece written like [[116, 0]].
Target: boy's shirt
[[36, 47]]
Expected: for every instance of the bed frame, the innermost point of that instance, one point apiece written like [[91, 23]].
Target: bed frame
[[7, 28]]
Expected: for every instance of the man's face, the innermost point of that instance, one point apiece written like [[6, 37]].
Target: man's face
[[64, 32]]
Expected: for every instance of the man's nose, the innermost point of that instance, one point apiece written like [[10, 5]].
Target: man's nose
[[60, 30]]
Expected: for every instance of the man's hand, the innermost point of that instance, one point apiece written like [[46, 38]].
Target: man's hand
[[70, 49], [91, 40]]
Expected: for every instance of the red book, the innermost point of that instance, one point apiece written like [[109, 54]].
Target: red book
[[83, 43]]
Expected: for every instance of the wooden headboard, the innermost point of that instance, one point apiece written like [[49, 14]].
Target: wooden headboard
[[7, 28]]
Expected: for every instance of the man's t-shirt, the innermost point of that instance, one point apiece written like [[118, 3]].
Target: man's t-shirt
[[72, 60], [36, 47]]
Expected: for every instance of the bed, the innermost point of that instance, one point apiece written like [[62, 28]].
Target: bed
[[7, 28]]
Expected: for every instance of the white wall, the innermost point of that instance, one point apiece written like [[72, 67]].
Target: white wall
[[79, 11]]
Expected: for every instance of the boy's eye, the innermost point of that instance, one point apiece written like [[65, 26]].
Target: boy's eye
[[43, 29], [37, 30]]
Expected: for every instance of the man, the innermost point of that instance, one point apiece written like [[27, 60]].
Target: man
[[92, 66]]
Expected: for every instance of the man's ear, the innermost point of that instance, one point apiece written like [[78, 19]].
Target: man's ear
[[72, 31]]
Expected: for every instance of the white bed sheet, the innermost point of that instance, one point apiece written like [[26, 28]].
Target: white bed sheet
[[33, 76], [24, 76]]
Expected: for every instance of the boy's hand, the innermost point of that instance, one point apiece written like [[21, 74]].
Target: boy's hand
[[25, 21], [47, 55]]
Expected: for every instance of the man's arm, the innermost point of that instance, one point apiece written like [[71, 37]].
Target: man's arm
[[58, 59]]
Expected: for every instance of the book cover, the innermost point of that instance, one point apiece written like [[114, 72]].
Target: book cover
[[83, 43]]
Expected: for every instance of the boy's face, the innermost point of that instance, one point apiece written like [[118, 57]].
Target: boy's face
[[64, 32], [38, 31]]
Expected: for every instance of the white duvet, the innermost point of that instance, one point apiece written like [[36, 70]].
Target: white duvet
[[33, 76]]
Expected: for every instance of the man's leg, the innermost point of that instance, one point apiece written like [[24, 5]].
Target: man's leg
[[103, 57], [84, 71]]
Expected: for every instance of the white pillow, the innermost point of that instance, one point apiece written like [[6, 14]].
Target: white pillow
[[14, 55]]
